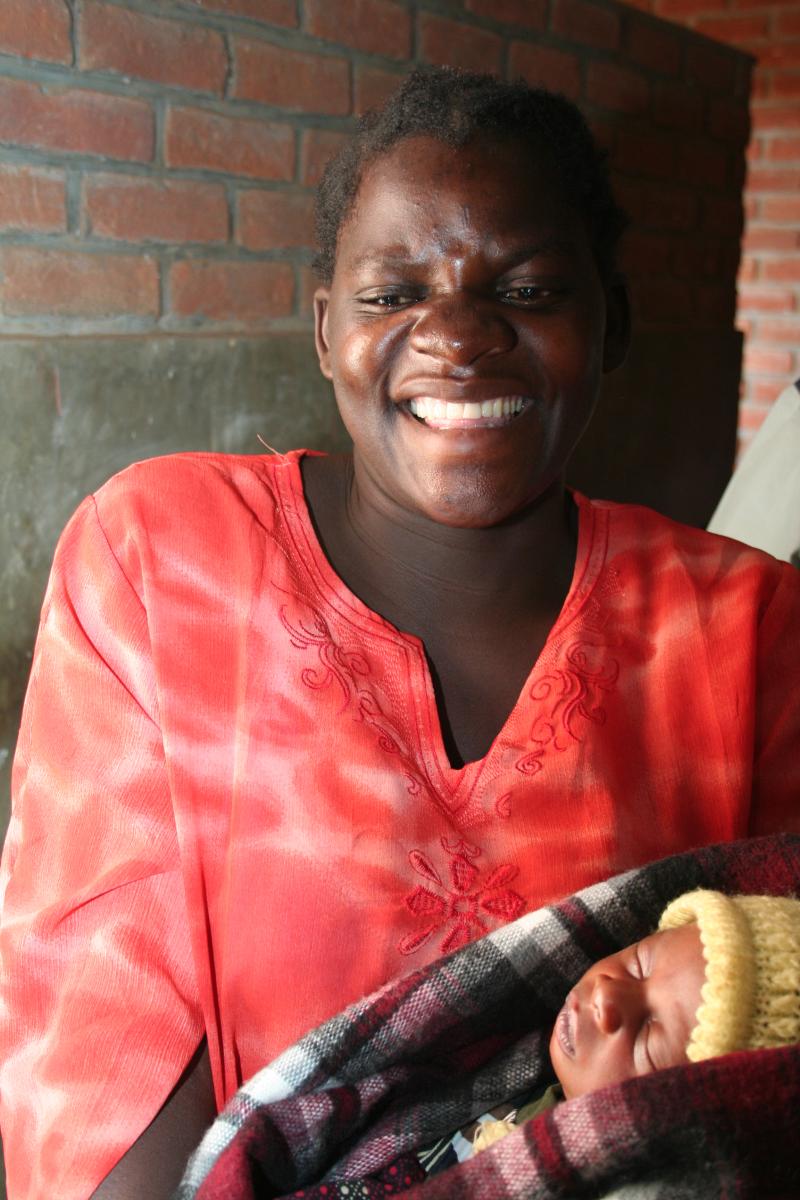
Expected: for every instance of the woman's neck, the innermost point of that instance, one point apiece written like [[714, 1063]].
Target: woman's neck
[[416, 572]]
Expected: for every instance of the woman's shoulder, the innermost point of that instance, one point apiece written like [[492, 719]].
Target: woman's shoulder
[[205, 492], [661, 543]]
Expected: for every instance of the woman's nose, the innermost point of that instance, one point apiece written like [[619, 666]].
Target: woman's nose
[[616, 1002], [461, 329]]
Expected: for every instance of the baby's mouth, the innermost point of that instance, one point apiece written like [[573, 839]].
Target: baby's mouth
[[565, 1030], [474, 414]]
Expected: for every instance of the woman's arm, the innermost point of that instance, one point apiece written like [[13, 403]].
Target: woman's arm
[[154, 1164], [99, 1004]]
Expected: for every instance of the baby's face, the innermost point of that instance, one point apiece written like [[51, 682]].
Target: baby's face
[[631, 1013]]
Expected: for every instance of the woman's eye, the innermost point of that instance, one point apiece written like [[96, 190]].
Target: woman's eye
[[388, 299], [529, 293]]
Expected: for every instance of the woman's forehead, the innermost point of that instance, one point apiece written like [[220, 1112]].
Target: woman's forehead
[[424, 195]]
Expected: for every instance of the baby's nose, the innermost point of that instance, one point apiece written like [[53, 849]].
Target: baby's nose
[[616, 1002]]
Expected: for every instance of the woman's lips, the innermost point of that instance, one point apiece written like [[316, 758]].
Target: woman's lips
[[491, 413], [565, 1030]]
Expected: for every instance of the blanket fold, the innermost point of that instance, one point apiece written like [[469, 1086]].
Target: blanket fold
[[342, 1112]]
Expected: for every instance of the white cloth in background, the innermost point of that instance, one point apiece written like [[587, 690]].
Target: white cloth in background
[[761, 504]]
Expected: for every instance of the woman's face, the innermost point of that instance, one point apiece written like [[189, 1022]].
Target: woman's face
[[466, 329], [631, 1013]]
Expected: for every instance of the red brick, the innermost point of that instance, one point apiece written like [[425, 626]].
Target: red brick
[[75, 121], [756, 149], [750, 208], [677, 107], [777, 52], [454, 44], [373, 87], [773, 179], [275, 220], [36, 29], [319, 146], [729, 120], [173, 52], [767, 362], [39, 282], [769, 118], [530, 13], [713, 67], [647, 154], [235, 145], [778, 240], [704, 163], [31, 199], [783, 149], [271, 12], [290, 79], [374, 26], [751, 417], [763, 393], [786, 330], [761, 299], [587, 23], [653, 47], [645, 253], [780, 270], [748, 269], [737, 31], [787, 22], [682, 8], [231, 292], [617, 88], [785, 85], [543, 66], [133, 209], [785, 208], [308, 285]]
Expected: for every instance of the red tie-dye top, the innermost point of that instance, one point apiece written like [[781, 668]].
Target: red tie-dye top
[[234, 814]]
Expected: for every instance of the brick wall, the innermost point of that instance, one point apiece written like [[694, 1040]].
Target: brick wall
[[769, 281], [158, 156]]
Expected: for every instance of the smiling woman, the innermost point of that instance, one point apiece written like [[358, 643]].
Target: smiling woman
[[297, 724]]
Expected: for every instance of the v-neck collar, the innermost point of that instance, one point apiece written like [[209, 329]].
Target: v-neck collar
[[453, 784]]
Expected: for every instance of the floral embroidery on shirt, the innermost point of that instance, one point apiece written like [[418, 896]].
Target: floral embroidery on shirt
[[458, 906], [571, 695]]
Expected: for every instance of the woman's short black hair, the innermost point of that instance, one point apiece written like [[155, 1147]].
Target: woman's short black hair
[[455, 107]]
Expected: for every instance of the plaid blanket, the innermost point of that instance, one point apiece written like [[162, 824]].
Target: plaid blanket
[[341, 1113]]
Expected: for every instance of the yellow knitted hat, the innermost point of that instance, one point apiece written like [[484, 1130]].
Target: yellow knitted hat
[[751, 994]]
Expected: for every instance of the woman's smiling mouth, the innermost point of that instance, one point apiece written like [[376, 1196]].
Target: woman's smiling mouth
[[474, 414]]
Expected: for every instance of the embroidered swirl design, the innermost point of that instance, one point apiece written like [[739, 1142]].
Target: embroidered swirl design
[[572, 697]]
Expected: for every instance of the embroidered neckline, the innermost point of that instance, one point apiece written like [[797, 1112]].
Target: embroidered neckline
[[334, 594]]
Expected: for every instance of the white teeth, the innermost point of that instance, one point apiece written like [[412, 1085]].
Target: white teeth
[[426, 408]]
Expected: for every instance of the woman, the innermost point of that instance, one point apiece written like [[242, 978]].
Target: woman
[[298, 724]]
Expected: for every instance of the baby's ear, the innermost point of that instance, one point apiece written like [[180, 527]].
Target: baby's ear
[[618, 323]]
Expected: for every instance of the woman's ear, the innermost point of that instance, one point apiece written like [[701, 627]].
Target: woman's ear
[[321, 297], [618, 324]]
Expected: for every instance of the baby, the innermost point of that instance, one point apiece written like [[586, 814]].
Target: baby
[[722, 973]]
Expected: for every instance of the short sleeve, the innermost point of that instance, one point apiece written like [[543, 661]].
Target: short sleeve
[[99, 1012], [776, 773]]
